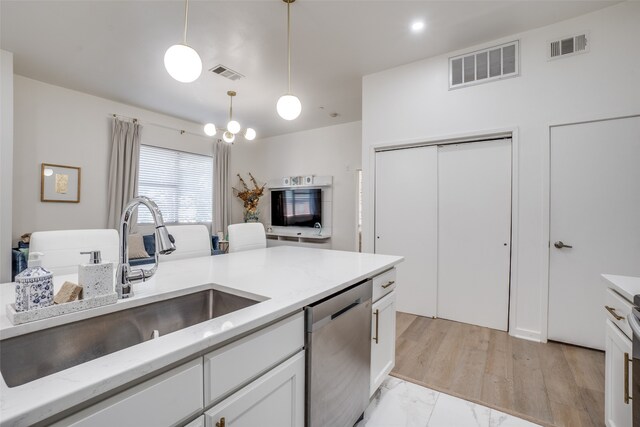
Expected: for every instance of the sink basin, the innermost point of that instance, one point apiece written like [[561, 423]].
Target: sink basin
[[31, 356]]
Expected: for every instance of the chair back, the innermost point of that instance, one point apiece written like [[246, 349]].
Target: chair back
[[247, 236], [191, 241], [61, 248]]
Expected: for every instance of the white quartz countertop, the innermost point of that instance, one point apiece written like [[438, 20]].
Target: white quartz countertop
[[284, 278], [627, 286]]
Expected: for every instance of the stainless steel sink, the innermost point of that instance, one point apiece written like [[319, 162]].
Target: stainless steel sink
[[31, 356]]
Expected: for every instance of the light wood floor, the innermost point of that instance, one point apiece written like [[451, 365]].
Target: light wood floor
[[551, 384]]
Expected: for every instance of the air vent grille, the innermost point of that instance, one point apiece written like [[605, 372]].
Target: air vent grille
[[484, 65], [226, 72], [568, 46]]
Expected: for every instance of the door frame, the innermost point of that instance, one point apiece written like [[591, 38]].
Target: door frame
[[368, 187], [546, 221]]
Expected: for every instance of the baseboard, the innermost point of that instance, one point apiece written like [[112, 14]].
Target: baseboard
[[527, 334]]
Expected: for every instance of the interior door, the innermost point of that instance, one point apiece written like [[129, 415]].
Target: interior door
[[406, 223], [474, 233], [594, 223]]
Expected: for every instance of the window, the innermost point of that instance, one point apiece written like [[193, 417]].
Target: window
[[180, 183]]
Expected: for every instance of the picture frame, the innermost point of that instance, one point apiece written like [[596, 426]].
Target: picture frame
[[59, 183]]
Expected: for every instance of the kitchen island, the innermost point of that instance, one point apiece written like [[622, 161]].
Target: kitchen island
[[284, 280]]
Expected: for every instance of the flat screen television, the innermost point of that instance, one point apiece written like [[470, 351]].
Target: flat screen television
[[301, 207]]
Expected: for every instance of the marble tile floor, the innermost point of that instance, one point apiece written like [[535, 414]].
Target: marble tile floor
[[400, 403]]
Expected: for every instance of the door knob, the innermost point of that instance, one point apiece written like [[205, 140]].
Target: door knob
[[561, 245]]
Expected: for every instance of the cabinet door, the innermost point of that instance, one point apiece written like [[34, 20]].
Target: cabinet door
[[617, 411], [275, 399], [383, 346]]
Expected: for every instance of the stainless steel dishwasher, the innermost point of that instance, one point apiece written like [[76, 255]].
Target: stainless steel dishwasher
[[338, 344]]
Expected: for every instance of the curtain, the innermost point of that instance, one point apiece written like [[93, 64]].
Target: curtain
[[221, 185], [123, 169]]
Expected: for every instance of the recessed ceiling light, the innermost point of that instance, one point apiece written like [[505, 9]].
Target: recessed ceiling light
[[417, 26]]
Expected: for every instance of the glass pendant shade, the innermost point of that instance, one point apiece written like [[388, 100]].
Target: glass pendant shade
[[249, 134], [289, 107], [210, 129], [233, 127], [183, 63], [228, 137]]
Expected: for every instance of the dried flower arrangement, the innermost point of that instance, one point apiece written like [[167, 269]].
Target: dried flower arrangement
[[250, 197]]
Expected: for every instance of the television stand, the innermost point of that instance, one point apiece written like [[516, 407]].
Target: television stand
[[298, 236]]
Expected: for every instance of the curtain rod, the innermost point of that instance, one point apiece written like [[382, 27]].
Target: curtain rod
[[181, 131]]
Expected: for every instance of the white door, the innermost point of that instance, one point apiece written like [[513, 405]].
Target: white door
[[275, 399], [474, 232], [406, 223], [618, 374], [595, 209], [383, 344]]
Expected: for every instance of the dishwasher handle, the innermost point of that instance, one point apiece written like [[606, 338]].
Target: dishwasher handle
[[333, 307]]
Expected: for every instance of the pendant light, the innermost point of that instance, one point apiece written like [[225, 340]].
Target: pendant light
[[233, 127], [289, 106], [181, 60]]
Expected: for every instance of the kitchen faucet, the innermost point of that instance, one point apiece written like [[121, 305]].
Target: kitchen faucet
[[125, 276]]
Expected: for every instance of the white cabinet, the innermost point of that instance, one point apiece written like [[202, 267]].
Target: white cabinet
[[383, 346], [274, 399], [146, 403], [618, 375]]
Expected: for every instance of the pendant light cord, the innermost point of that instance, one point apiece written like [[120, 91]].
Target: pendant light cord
[[186, 21], [230, 107], [289, 47]]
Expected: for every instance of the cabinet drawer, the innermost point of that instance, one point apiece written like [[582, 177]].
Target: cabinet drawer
[[236, 364], [383, 284], [617, 309], [198, 422], [146, 403]]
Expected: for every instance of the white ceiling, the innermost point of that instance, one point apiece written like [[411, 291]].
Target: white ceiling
[[115, 49]]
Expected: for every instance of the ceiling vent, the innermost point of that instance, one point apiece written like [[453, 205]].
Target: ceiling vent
[[566, 46], [226, 72], [481, 66]]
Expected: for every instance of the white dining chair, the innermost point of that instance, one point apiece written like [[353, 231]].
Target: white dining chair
[[61, 248], [247, 236], [191, 241]]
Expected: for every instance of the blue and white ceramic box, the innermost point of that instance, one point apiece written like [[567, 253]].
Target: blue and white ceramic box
[[34, 289]]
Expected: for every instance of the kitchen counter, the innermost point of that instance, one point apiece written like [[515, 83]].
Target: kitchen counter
[[284, 278], [627, 286]]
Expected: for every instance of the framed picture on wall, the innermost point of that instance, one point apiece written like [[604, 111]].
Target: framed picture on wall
[[59, 183]]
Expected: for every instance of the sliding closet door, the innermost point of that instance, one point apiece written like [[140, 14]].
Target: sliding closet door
[[406, 223], [474, 238]]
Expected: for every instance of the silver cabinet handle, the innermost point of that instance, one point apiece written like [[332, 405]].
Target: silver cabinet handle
[[561, 245]]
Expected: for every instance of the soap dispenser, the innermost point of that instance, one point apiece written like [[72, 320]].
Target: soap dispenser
[[96, 277], [34, 285]]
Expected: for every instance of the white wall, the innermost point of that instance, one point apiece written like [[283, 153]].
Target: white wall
[[6, 162], [333, 150], [61, 126], [413, 103]]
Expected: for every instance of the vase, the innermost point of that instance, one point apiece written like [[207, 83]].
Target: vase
[[251, 215]]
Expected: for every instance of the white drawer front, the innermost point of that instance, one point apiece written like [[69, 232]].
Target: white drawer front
[[146, 403], [617, 309], [234, 365], [383, 284]]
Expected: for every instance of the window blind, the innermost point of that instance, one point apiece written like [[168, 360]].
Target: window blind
[[180, 183]]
